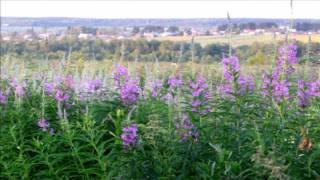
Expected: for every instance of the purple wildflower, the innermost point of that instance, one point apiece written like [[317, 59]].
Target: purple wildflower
[[175, 82], [14, 82], [303, 95], [121, 75], [237, 84], [314, 88], [266, 88], [247, 84], [168, 97], [277, 85], [156, 87], [289, 52], [61, 95], [44, 124], [18, 87], [129, 88], [281, 91], [94, 85], [130, 92], [3, 98], [226, 89], [287, 58], [200, 96], [231, 67], [68, 81], [276, 88], [186, 129], [129, 136], [49, 87]]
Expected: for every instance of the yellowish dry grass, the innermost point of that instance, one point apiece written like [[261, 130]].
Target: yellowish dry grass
[[238, 40]]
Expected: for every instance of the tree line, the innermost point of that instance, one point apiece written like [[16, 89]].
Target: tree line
[[143, 50]]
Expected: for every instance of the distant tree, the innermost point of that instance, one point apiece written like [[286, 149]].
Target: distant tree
[[258, 59], [135, 30], [267, 25], [222, 27], [173, 29], [216, 50], [158, 29]]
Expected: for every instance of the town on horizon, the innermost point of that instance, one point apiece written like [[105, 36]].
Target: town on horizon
[[110, 29]]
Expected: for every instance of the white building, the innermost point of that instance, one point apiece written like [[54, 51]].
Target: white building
[[85, 36]]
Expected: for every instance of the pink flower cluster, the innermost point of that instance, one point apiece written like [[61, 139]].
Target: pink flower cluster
[[129, 87]]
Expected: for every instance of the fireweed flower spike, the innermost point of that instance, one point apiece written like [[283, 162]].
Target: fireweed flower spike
[[237, 84], [3, 98], [288, 57], [61, 95], [314, 89], [130, 92], [94, 85], [303, 95], [200, 95], [274, 87], [90, 86], [69, 82], [276, 84], [49, 88], [186, 129], [130, 136], [120, 75], [281, 91], [231, 67], [225, 89], [156, 88], [266, 87], [128, 87], [18, 87], [247, 84], [174, 82]]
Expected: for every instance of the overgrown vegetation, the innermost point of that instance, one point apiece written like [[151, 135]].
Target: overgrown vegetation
[[98, 120], [143, 50]]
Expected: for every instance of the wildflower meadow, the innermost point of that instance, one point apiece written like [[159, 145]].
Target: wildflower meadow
[[131, 120]]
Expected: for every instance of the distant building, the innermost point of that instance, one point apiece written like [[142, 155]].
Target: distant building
[[85, 36], [222, 32], [200, 32], [44, 36], [6, 38], [120, 37], [259, 31], [293, 30], [27, 37], [165, 34], [105, 37]]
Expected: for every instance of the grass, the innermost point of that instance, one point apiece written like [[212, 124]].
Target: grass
[[239, 40]]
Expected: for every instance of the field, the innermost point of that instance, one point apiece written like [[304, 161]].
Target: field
[[126, 120], [238, 40]]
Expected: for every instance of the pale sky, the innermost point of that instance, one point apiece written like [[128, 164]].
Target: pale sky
[[161, 9]]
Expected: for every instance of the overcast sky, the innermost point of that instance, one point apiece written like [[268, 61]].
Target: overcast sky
[[161, 9]]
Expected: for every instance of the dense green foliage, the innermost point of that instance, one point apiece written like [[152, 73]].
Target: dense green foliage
[[142, 50], [247, 137]]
